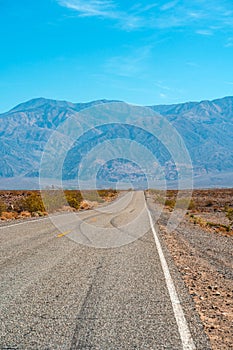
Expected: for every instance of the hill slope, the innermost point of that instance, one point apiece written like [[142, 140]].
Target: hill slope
[[206, 127]]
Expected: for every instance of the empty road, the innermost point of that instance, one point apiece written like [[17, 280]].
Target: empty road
[[99, 279]]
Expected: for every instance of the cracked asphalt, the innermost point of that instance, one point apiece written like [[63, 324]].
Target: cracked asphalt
[[98, 286]]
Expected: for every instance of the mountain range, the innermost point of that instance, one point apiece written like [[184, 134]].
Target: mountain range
[[206, 128]]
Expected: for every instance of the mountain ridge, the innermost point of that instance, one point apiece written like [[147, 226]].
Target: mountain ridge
[[94, 102], [205, 126], [40, 101]]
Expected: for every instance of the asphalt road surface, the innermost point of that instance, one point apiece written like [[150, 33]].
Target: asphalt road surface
[[99, 280]]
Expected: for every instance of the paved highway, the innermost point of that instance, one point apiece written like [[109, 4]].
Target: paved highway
[[98, 280]]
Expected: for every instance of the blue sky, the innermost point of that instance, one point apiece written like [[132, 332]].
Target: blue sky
[[142, 52]]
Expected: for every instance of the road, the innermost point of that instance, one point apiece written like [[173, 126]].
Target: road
[[64, 285]]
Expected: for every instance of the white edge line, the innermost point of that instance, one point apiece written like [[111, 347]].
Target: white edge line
[[30, 221], [185, 335]]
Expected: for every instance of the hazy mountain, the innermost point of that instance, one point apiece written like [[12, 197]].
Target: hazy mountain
[[25, 130], [206, 127]]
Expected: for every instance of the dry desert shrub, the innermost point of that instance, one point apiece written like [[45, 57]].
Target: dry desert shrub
[[171, 202], [2, 207], [229, 214], [32, 203], [73, 198], [21, 204]]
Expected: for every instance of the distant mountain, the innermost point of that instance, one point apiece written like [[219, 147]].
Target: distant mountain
[[206, 127], [25, 130]]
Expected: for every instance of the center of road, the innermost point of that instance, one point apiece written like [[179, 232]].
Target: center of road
[[57, 294]]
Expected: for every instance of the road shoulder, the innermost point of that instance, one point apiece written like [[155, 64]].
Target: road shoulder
[[192, 317]]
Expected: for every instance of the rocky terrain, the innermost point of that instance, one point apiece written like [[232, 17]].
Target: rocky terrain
[[203, 254]]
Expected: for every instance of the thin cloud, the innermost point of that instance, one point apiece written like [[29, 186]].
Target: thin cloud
[[162, 86], [172, 14], [103, 9], [140, 9], [205, 32], [197, 15], [129, 65], [229, 42], [162, 95], [169, 5], [91, 8], [167, 92]]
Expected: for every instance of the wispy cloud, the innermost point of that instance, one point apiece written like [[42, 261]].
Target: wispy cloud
[[229, 42], [160, 84], [169, 5], [91, 8], [172, 14], [205, 32], [162, 95], [166, 91], [131, 65], [106, 9]]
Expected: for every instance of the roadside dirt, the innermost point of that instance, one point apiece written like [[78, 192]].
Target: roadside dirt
[[203, 255]]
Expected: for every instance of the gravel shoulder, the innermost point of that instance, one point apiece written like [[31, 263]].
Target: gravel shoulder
[[204, 260]]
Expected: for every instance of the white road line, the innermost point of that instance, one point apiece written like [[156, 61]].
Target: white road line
[[21, 223], [30, 221], [183, 328]]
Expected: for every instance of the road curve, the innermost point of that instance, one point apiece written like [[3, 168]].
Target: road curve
[[62, 289]]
